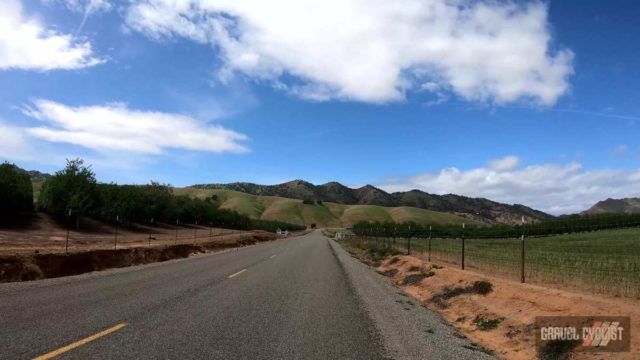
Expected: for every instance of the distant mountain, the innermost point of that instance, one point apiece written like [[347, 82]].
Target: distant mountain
[[36, 176], [479, 208], [617, 206]]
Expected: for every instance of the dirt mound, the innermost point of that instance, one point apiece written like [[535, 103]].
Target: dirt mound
[[41, 266]]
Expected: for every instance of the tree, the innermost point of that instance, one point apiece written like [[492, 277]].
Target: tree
[[72, 189], [16, 191]]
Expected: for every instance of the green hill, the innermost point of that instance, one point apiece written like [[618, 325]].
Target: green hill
[[326, 215]]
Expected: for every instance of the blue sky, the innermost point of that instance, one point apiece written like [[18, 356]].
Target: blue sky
[[525, 102]]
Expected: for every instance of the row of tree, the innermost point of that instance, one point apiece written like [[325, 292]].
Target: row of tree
[[561, 225], [74, 192]]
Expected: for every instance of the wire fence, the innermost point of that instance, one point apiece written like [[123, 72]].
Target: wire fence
[[73, 241], [601, 261]]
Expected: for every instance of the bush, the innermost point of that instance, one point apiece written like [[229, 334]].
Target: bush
[[16, 191], [308, 202], [487, 324]]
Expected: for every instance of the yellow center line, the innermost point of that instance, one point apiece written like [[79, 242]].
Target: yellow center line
[[84, 341], [272, 256], [238, 273]]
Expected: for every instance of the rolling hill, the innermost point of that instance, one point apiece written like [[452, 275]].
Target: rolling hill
[[616, 206], [479, 208], [327, 214]]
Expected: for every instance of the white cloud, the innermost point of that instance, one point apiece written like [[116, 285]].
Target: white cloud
[[27, 44], [506, 163], [554, 188], [116, 127], [374, 50]]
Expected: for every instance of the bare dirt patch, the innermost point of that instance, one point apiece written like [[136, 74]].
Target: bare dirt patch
[[26, 267], [499, 314]]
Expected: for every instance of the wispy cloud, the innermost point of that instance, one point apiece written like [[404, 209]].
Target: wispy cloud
[[116, 127]]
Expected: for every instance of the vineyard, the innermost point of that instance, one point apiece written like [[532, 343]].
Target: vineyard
[[603, 259]]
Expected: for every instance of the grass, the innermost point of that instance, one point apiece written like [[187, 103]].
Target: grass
[[330, 215], [606, 261]]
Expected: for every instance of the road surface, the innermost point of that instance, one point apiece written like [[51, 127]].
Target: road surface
[[296, 298]]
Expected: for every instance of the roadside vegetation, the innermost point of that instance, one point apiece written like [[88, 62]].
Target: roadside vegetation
[[74, 193], [603, 261]]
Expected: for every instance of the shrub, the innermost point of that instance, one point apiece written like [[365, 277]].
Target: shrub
[[485, 323]]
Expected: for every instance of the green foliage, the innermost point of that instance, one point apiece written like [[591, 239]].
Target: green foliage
[[562, 225], [308, 202], [73, 188], [142, 203], [485, 324], [16, 192]]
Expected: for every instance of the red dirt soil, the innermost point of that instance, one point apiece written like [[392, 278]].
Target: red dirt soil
[[39, 233], [40, 266], [517, 303]]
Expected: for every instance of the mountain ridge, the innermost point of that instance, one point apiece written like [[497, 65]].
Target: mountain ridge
[[616, 206], [370, 195]]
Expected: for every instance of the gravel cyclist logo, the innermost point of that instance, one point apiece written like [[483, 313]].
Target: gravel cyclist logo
[[584, 333]]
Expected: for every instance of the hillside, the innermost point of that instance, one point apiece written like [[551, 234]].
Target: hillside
[[369, 195], [329, 214], [617, 206]]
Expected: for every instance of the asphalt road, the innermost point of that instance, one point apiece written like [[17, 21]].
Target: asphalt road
[[288, 299]]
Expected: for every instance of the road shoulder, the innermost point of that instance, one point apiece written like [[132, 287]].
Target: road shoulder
[[409, 330]]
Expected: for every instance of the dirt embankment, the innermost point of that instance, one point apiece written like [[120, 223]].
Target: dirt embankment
[[498, 313], [42, 266]]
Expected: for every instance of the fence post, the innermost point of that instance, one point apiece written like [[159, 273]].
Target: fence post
[[429, 256], [462, 262], [66, 246], [522, 253], [409, 242], [522, 259], [115, 241]]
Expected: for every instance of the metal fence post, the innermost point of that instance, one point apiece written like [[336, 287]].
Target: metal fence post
[[429, 256], [522, 259], [522, 253], [115, 241], [462, 262], [409, 242]]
